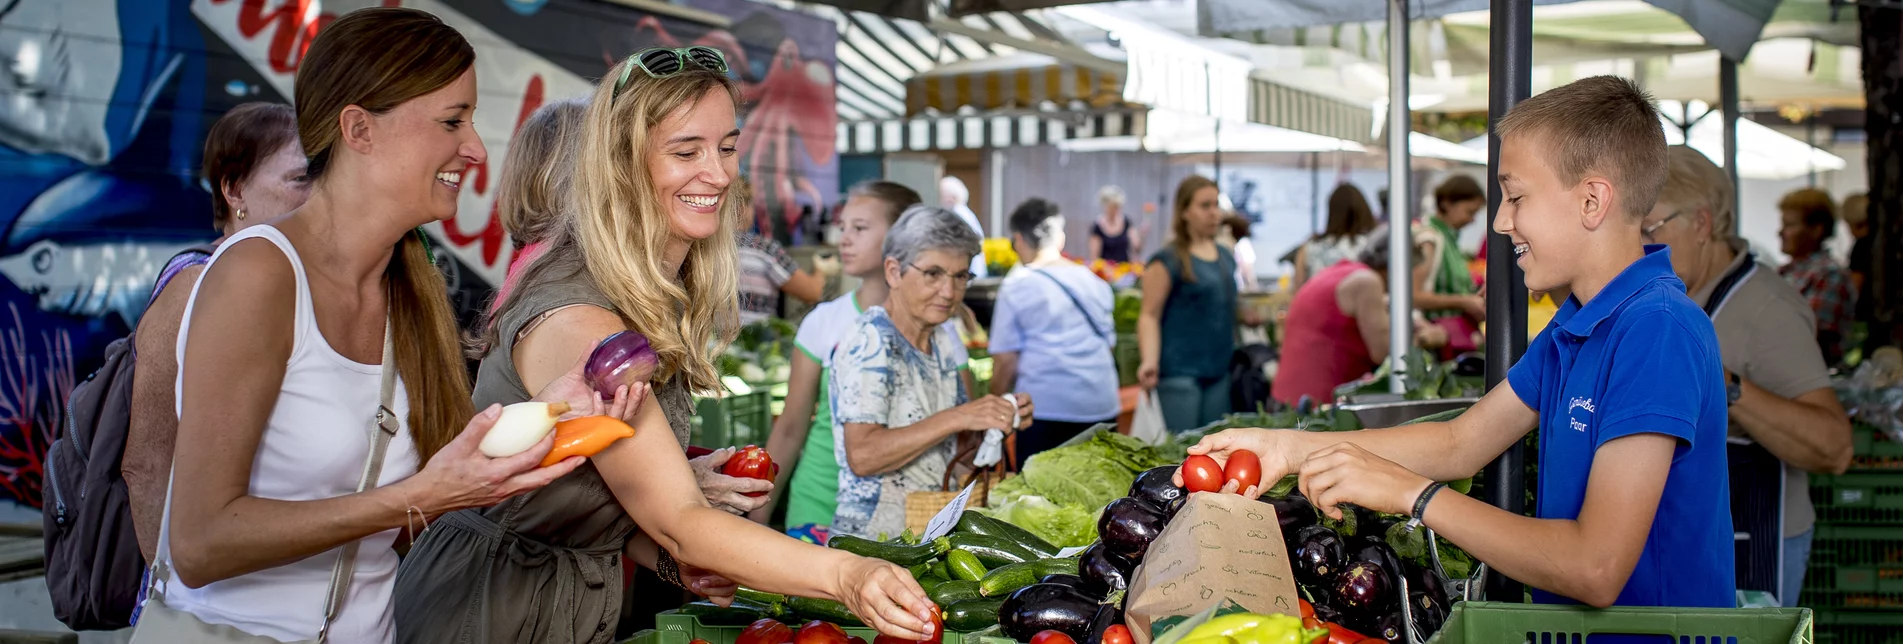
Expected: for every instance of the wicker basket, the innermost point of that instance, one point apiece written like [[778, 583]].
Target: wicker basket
[[920, 507]]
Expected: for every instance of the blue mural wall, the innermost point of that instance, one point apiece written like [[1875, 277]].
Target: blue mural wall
[[104, 105]]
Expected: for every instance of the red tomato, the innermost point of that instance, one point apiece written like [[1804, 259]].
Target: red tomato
[[818, 632], [850, 639], [938, 633], [1244, 467], [765, 631], [1117, 634], [1201, 474], [751, 462], [1051, 637]]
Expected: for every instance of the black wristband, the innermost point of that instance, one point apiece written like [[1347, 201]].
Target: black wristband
[[668, 570], [1420, 503]]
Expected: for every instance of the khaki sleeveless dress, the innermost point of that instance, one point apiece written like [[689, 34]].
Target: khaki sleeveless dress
[[541, 567]]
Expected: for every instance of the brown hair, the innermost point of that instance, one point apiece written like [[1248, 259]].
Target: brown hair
[[1855, 209], [1602, 125], [1456, 189], [1348, 213], [535, 176], [1179, 227], [236, 143], [619, 230], [378, 59], [1814, 206], [896, 197], [1692, 182]]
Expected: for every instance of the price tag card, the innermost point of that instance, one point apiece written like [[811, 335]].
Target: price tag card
[[947, 518], [1071, 552]]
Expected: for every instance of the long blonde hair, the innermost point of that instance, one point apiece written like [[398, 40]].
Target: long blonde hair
[[617, 230]]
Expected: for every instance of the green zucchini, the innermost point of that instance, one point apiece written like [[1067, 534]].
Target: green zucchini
[[964, 565], [967, 616], [741, 613], [939, 569], [973, 521], [900, 554], [993, 551], [952, 592], [825, 610], [774, 603], [1009, 578], [921, 571]]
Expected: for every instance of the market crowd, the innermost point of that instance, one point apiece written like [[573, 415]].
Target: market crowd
[[319, 313]]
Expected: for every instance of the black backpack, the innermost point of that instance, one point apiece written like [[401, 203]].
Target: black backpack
[[93, 565], [1248, 385]]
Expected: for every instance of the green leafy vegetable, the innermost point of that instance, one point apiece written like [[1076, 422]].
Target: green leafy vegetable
[[1063, 525]]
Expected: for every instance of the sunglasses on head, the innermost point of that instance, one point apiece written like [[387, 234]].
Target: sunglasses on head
[[662, 62]]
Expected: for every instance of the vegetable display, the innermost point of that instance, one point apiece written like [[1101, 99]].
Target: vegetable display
[[621, 360], [520, 427], [585, 436], [1059, 492]]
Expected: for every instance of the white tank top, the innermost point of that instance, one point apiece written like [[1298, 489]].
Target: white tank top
[[314, 447]]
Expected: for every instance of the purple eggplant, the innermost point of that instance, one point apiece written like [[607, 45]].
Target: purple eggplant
[[1102, 571], [1127, 527], [1318, 556], [1364, 590], [1155, 488], [1372, 548], [1294, 512], [1107, 615], [1041, 607]]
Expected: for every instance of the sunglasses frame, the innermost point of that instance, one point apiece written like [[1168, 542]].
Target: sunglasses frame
[[682, 55]]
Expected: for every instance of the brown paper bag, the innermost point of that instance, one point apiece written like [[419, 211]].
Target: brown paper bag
[[1218, 546]]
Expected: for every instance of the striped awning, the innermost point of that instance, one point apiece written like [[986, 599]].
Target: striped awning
[[1286, 107], [990, 131], [1022, 81]]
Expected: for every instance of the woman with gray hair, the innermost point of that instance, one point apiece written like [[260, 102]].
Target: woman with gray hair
[[1775, 379], [898, 398], [1112, 237]]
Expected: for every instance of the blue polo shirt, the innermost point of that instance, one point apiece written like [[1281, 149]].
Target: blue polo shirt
[[1639, 358]]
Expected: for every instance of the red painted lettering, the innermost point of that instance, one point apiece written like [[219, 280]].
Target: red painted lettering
[[491, 235]]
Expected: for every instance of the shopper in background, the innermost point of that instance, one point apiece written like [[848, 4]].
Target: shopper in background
[[1052, 335], [898, 394], [1349, 221], [1856, 215], [1113, 236], [955, 197], [1810, 219], [803, 434], [1444, 289], [766, 271], [653, 252], [1187, 329], [535, 184], [1778, 390], [256, 167], [289, 337], [1238, 233], [1337, 331]]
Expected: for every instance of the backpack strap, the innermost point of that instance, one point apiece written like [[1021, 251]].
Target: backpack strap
[[198, 255], [1077, 303]]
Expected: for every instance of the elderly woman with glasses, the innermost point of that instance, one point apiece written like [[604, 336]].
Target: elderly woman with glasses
[[900, 402]]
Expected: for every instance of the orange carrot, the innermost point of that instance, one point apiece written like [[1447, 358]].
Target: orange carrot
[[585, 436]]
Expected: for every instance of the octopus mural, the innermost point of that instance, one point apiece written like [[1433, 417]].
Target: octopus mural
[[108, 101]]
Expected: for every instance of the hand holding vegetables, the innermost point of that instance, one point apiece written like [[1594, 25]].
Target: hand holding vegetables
[[521, 426], [994, 412], [583, 400], [731, 494], [885, 597], [459, 475], [1277, 455], [1346, 473]]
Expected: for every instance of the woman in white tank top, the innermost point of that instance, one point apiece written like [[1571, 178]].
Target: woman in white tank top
[[281, 353]]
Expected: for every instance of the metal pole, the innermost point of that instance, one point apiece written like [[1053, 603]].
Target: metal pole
[[1510, 80], [1728, 98], [1400, 274], [1314, 193]]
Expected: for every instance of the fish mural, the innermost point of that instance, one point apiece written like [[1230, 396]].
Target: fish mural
[[107, 102]]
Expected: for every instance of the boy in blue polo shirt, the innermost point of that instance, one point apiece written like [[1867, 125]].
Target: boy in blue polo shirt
[[1624, 385]]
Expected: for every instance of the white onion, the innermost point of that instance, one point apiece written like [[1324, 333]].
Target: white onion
[[521, 426]]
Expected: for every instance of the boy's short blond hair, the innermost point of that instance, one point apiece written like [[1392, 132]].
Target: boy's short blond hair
[[1692, 181], [1856, 209], [1603, 125]]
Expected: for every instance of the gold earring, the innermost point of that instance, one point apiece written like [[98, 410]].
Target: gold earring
[[240, 214]]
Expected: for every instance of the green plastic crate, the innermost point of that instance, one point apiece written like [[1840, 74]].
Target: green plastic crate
[[1855, 567], [1867, 497], [733, 421], [1860, 627], [1507, 623], [672, 627]]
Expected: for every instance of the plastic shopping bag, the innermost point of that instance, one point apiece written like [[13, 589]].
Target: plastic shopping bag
[[1147, 424]]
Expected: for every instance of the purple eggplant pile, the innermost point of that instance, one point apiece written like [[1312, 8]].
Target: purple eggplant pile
[[1351, 575]]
